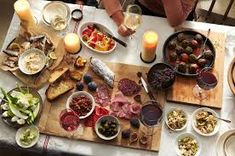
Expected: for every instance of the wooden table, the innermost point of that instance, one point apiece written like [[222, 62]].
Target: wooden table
[[128, 55]]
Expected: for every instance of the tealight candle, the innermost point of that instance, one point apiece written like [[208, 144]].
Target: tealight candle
[[24, 12], [72, 43], [149, 44]]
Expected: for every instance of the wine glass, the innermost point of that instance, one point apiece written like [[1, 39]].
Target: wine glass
[[206, 80], [132, 19], [69, 120], [151, 115]]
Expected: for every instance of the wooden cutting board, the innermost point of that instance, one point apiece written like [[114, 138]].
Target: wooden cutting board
[[49, 122], [38, 80], [181, 92]]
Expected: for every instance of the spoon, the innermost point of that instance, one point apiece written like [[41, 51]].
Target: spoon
[[225, 120], [204, 44]]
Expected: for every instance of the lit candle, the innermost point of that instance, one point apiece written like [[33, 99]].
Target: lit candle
[[72, 43], [24, 12], [149, 43]]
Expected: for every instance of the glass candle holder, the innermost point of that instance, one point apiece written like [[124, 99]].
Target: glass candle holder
[[149, 46]]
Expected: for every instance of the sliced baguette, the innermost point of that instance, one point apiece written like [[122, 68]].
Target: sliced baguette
[[59, 88], [57, 73], [75, 75]]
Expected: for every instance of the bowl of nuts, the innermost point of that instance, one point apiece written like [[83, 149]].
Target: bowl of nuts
[[82, 103]]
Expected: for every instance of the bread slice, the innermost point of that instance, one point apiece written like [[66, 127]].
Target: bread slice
[[57, 73], [75, 75], [59, 88]]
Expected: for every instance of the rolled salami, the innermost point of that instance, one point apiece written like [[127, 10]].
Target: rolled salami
[[101, 69]]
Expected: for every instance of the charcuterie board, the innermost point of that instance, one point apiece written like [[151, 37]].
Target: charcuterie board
[[36, 80], [49, 122], [181, 91]]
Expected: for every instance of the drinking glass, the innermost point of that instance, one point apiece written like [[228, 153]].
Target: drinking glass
[[151, 115], [132, 19], [206, 80], [69, 120], [57, 15]]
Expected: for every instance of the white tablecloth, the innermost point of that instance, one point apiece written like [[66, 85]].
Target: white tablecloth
[[129, 55]]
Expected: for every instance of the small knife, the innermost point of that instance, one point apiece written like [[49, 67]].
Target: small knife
[[109, 35], [145, 85]]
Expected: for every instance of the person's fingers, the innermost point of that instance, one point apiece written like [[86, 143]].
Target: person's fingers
[[124, 31]]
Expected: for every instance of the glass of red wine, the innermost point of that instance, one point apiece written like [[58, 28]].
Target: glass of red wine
[[151, 115], [206, 80], [69, 120]]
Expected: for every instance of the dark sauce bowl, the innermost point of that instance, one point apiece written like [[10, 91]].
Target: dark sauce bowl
[[161, 76]]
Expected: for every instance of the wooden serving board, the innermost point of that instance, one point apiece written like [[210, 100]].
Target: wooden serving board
[[49, 122], [181, 91], [38, 80]]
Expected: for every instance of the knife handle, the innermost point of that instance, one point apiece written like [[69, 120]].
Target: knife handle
[[119, 41]]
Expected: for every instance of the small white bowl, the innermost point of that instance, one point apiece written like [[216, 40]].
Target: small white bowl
[[194, 121], [21, 130], [104, 28], [181, 136], [110, 118], [24, 55], [166, 119], [79, 93]]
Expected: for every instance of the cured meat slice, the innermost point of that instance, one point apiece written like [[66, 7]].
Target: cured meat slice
[[128, 87], [102, 96], [99, 112], [122, 108]]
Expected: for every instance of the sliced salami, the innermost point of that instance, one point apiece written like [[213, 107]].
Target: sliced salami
[[128, 87], [102, 95]]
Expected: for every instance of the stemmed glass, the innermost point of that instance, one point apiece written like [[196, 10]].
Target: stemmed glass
[[132, 19], [206, 80], [69, 120], [151, 115]]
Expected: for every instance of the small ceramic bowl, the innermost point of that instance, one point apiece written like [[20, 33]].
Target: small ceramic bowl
[[109, 118], [158, 81], [167, 122], [32, 61], [216, 129], [23, 129], [181, 136], [79, 93]]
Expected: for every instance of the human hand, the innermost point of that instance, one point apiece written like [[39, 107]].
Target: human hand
[[124, 31]]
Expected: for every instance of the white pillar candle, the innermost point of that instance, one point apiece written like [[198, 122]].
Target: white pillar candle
[[72, 43], [24, 12], [149, 44]]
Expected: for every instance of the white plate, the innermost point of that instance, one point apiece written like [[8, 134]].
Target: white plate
[[187, 135], [21, 61], [220, 142], [194, 121], [21, 130], [166, 120], [78, 94], [229, 145], [104, 28], [110, 118]]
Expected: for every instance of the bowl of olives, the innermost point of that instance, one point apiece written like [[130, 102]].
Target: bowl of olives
[[161, 76], [186, 53], [107, 127]]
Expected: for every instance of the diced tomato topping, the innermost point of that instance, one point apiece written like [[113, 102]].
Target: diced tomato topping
[[87, 32]]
